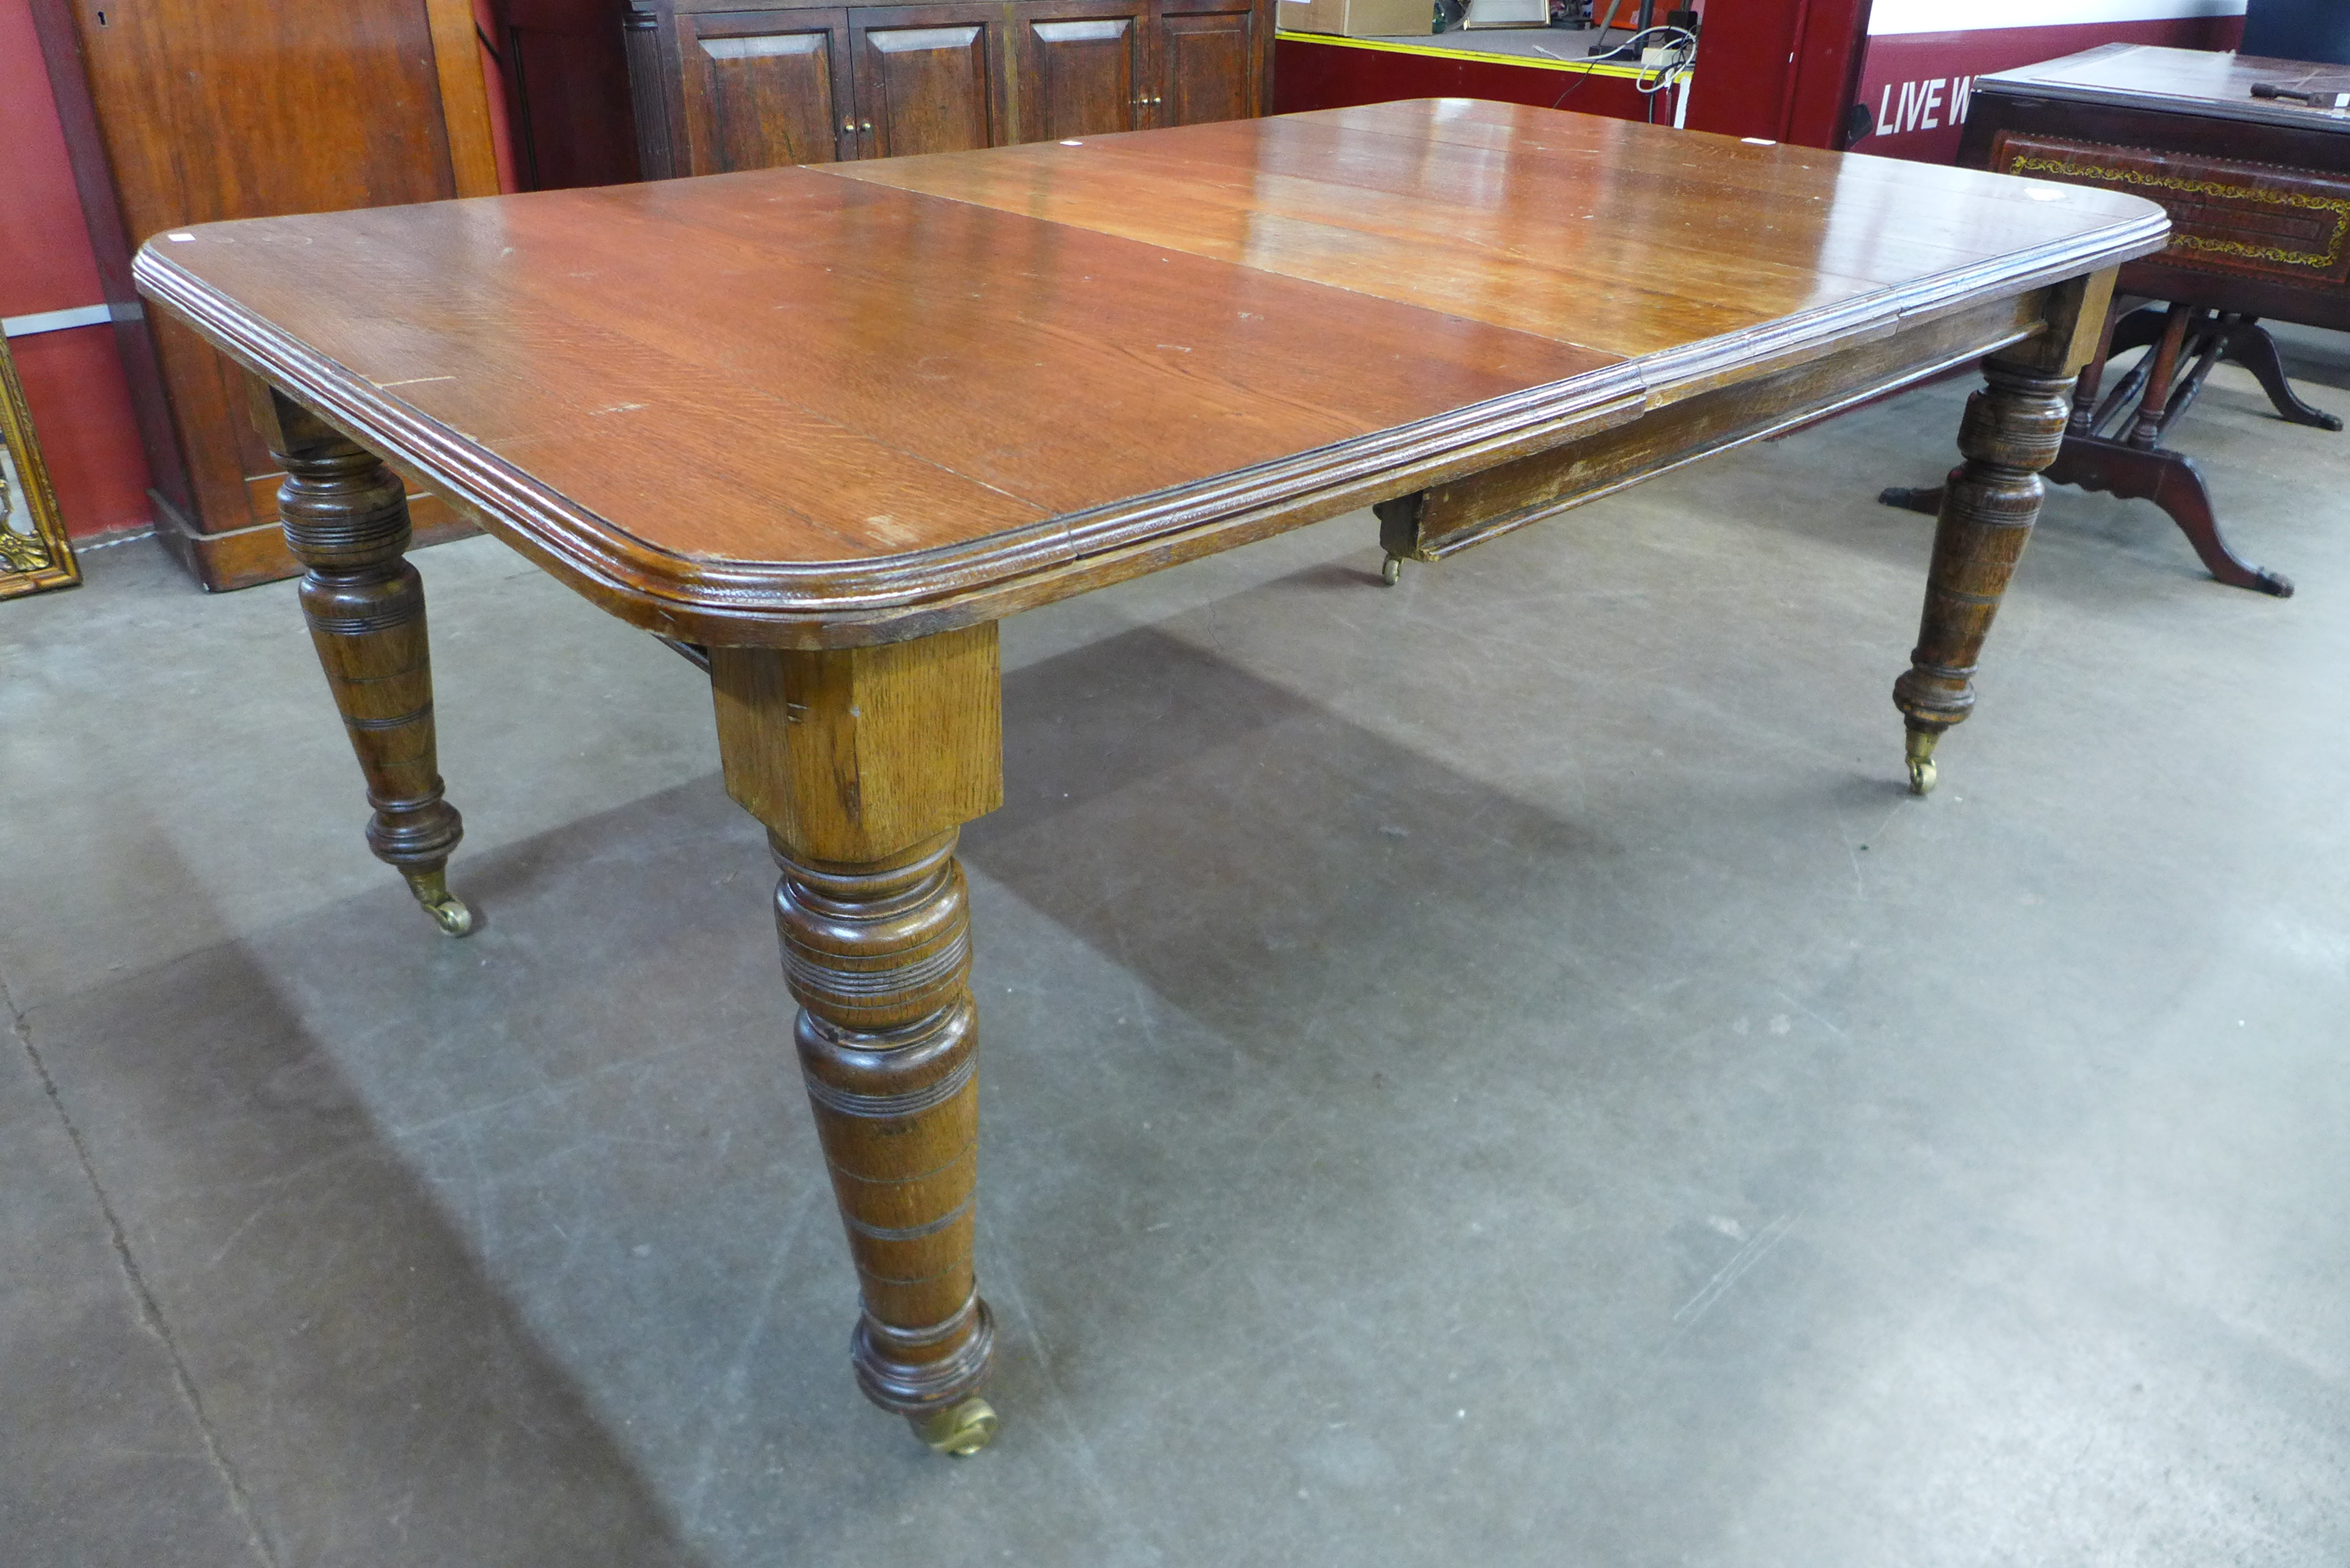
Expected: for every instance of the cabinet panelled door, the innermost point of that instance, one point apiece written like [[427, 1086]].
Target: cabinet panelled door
[[1083, 70], [764, 88], [752, 87], [1205, 57], [929, 78]]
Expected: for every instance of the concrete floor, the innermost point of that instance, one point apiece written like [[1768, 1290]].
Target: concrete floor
[[1491, 1072]]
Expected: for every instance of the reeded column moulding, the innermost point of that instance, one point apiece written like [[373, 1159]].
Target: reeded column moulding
[[863, 764], [879, 956]]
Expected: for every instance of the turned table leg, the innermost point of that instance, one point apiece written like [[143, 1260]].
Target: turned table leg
[[2012, 430], [346, 519], [863, 764]]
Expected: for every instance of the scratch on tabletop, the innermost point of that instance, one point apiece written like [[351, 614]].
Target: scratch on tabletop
[[1823, 1020], [1745, 1257]]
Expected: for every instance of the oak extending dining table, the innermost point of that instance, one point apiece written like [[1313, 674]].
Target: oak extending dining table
[[822, 428]]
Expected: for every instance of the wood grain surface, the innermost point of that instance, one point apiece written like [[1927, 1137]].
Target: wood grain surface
[[1574, 227], [2205, 83], [801, 406]]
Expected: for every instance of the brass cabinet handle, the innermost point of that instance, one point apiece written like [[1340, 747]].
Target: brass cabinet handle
[[866, 128]]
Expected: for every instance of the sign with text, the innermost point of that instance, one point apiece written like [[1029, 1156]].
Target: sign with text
[[1919, 67]]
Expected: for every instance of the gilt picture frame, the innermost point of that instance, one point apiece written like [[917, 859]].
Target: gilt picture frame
[[34, 552]]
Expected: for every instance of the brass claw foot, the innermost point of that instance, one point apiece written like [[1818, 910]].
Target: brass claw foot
[[1921, 748], [962, 1428], [1391, 570], [448, 910]]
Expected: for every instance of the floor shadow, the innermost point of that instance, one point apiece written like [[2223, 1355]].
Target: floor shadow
[[519, 1250], [1336, 575], [2314, 355], [1236, 846], [378, 1397]]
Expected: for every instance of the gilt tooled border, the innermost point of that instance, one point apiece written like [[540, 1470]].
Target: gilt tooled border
[[2338, 206]]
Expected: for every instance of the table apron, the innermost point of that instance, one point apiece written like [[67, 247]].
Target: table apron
[[1449, 517], [2264, 298]]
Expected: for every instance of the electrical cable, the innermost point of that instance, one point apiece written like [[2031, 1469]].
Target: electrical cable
[[1685, 45], [1581, 76], [1680, 57]]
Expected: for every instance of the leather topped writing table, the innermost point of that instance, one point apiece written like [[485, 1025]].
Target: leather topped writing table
[[2258, 190], [825, 427]]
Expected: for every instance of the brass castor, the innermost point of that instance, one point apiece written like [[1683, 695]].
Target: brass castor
[[962, 1429], [1920, 749], [1391, 570], [448, 910]]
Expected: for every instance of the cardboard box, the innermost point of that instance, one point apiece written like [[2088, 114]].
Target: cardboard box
[[1507, 14], [1357, 18]]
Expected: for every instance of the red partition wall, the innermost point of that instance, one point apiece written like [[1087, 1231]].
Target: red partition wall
[[1888, 76], [1314, 71], [1921, 60], [1780, 69], [74, 383]]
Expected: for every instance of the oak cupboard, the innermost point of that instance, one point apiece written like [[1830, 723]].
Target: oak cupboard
[[179, 112], [720, 85]]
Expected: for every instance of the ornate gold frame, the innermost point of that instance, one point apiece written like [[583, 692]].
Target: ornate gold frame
[[33, 554]]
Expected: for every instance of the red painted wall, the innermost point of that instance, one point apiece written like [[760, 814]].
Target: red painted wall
[[1915, 85], [1780, 69], [73, 380], [1307, 73]]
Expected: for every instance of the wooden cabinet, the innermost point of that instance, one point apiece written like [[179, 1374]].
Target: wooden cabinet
[[185, 111], [930, 78], [758, 89], [1085, 67], [720, 85], [1205, 53]]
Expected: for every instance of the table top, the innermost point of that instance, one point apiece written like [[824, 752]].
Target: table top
[[779, 405], [2182, 81]]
